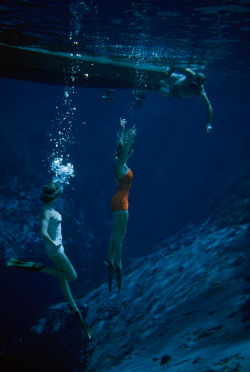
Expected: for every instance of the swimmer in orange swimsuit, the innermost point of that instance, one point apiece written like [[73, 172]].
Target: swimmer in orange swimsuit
[[119, 203]]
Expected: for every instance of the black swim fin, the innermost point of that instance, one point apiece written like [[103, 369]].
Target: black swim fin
[[83, 324], [118, 277], [110, 273], [17, 263]]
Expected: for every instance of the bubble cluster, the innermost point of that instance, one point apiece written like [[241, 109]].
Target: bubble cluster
[[62, 173]]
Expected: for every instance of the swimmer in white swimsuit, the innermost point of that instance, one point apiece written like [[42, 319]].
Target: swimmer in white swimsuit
[[54, 231], [50, 230]]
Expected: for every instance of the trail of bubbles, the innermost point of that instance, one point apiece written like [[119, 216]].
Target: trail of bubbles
[[62, 137]]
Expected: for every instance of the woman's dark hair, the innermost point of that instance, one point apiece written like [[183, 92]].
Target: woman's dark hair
[[50, 192]]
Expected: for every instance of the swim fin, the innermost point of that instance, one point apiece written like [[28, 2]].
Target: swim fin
[[118, 277], [110, 273], [83, 324], [17, 263]]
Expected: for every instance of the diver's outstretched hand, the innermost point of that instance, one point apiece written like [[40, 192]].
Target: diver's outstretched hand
[[123, 123], [209, 128]]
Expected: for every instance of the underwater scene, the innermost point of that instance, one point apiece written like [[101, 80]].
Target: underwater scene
[[125, 186]]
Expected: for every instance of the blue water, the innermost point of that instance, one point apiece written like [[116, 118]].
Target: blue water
[[182, 175]]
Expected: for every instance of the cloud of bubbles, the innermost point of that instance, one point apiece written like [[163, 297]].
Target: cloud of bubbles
[[62, 173]]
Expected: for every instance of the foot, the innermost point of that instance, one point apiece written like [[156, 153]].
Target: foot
[[209, 128]]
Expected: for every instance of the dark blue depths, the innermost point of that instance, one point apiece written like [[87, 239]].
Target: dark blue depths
[[182, 177]]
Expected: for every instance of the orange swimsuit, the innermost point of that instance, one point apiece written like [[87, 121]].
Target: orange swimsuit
[[119, 201]]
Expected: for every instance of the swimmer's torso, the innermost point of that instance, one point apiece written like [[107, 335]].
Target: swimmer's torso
[[54, 227], [119, 201], [55, 233], [183, 88]]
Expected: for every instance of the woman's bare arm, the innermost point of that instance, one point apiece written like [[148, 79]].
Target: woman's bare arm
[[207, 103], [128, 140]]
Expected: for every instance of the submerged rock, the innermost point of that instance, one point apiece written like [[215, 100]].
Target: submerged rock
[[186, 306]]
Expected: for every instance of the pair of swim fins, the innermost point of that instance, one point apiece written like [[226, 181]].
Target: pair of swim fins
[[111, 275]]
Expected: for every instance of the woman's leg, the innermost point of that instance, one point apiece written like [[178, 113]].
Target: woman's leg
[[17, 263], [111, 251], [120, 222], [64, 267], [64, 271], [110, 261], [120, 225]]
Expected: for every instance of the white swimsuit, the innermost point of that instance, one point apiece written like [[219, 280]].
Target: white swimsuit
[[55, 233]]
